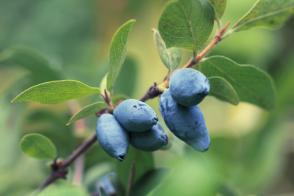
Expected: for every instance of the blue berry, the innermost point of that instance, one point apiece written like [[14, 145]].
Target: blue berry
[[188, 86], [187, 123], [135, 115], [150, 140], [112, 137]]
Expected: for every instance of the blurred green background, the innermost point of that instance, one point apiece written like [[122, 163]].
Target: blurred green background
[[252, 150]]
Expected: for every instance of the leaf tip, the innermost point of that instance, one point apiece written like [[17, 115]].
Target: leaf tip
[[15, 99], [69, 122]]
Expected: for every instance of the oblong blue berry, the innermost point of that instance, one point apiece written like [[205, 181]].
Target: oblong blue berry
[[112, 137], [135, 115], [150, 140], [188, 86], [187, 123]]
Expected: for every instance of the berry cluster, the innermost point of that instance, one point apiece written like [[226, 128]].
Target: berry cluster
[[135, 122], [178, 106]]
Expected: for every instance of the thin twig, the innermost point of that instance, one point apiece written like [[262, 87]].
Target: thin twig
[[80, 150], [152, 92], [131, 178], [60, 169]]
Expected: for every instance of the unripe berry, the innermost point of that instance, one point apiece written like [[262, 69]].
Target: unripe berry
[[135, 115], [188, 86], [112, 137], [106, 185], [150, 140], [187, 123]]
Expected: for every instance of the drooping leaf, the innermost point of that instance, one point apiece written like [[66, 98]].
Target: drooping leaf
[[266, 13], [143, 161], [87, 111], [223, 90], [56, 92], [251, 83], [219, 7], [171, 57], [118, 51], [149, 181], [189, 177], [186, 23], [38, 146], [30, 60]]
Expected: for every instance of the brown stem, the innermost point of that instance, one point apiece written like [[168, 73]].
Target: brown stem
[[211, 45], [80, 150], [131, 178], [59, 169], [152, 92]]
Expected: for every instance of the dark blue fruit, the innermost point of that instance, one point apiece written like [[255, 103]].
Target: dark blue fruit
[[135, 115], [188, 86], [112, 137], [187, 123], [150, 140]]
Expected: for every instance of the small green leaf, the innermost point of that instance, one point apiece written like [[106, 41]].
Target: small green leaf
[[103, 84], [38, 146], [219, 7], [56, 92], [223, 90], [87, 111], [251, 83], [118, 51], [186, 23], [266, 13], [149, 181], [171, 57]]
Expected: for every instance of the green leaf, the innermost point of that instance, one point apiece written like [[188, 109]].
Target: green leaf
[[190, 177], [251, 83], [103, 84], [219, 7], [186, 23], [87, 111], [56, 92], [223, 90], [149, 181], [143, 162], [266, 13], [30, 60], [126, 82], [38, 146], [171, 57], [118, 51]]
